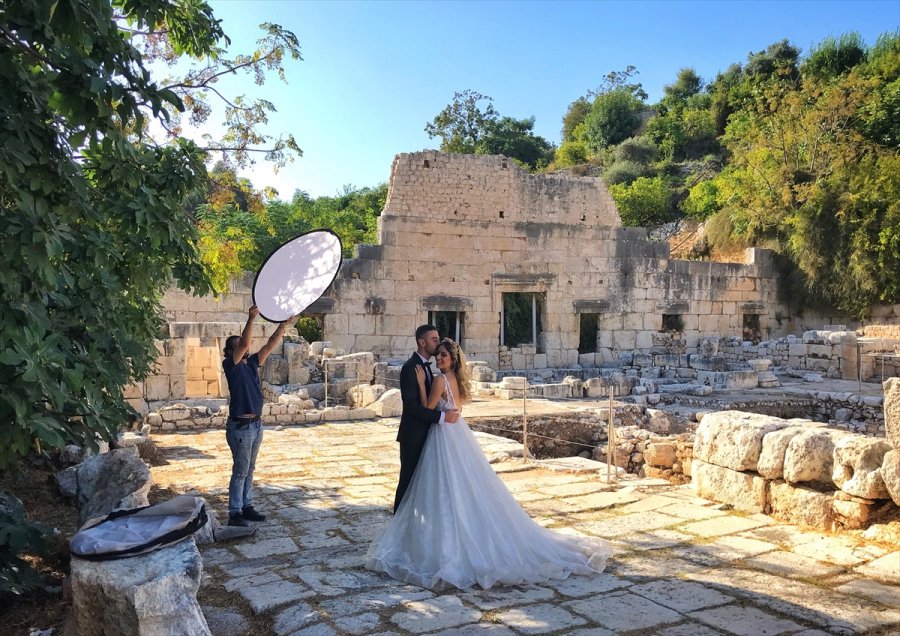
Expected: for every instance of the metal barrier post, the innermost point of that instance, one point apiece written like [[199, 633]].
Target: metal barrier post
[[325, 366], [610, 440], [526, 454]]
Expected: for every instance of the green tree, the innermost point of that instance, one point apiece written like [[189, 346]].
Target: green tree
[[93, 225], [833, 57], [614, 116], [92, 215], [198, 86], [515, 138], [571, 153], [880, 114], [462, 123], [805, 180], [575, 114], [235, 240], [465, 128], [702, 200], [687, 84], [779, 60]]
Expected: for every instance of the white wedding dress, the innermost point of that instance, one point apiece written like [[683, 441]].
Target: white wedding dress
[[458, 525]]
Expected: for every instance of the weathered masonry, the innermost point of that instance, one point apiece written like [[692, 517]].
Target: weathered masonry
[[531, 271]]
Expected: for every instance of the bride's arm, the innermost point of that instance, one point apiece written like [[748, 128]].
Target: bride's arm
[[437, 389]]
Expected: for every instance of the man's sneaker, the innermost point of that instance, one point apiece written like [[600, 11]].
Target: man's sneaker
[[251, 515], [237, 520]]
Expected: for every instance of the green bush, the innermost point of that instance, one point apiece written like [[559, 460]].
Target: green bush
[[702, 200], [645, 202], [624, 172], [309, 329], [614, 117], [638, 150], [571, 153]]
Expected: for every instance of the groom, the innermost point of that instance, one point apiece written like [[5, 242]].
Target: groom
[[416, 419]]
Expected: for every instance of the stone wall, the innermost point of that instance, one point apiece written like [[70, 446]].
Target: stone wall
[[190, 361], [182, 417], [797, 470], [459, 231]]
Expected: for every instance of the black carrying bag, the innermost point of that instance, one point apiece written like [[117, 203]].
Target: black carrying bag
[[126, 533]]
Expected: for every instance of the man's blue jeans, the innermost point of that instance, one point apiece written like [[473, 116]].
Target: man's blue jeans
[[244, 441]]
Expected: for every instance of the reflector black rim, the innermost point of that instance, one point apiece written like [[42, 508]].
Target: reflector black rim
[[275, 251]]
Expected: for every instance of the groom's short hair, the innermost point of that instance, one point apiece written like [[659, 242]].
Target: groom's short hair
[[422, 330]]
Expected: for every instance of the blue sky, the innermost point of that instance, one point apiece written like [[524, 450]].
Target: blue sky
[[374, 73]]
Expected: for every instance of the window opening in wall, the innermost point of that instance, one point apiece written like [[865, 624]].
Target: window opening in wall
[[587, 333], [449, 324], [751, 330], [522, 319], [311, 327], [672, 323]]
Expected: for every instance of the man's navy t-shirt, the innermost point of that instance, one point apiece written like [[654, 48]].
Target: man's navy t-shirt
[[243, 384]]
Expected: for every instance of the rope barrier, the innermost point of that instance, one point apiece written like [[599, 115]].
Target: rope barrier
[[524, 432]]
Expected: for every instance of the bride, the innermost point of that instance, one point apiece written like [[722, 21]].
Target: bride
[[458, 525]]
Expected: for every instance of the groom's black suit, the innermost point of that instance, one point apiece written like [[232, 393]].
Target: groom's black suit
[[415, 421]]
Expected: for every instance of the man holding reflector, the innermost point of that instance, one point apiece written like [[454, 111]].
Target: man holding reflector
[[243, 431], [292, 278]]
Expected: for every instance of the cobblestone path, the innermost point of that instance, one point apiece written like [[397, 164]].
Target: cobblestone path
[[681, 566]]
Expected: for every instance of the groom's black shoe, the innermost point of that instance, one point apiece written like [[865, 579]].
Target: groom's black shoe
[[250, 514]]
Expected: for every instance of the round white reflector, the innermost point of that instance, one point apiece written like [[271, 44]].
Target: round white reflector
[[296, 274]]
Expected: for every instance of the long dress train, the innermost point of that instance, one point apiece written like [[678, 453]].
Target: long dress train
[[458, 525]]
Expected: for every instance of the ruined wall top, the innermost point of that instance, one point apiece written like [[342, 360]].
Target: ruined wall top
[[435, 185]]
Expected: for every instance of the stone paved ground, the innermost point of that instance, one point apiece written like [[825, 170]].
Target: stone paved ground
[[682, 566]]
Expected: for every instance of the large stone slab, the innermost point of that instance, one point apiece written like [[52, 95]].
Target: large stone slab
[[441, 612], [681, 596], [538, 618], [389, 404], [151, 595], [774, 447], [857, 466], [733, 439], [837, 612], [366, 394], [621, 611], [744, 491], [800, 505], [892, 410], [746, 621], [810, 456]]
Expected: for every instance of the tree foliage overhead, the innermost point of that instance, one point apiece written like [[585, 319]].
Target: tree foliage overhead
[[464, 127], [240, 226], [93, 225], [807, 178], [242, 137]]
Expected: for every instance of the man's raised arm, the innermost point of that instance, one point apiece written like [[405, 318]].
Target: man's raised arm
[[274, 339]]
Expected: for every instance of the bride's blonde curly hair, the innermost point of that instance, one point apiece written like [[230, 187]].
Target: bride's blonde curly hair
[[459, 367]]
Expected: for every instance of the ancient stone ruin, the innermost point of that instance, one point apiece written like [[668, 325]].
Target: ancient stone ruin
[[465, 239]]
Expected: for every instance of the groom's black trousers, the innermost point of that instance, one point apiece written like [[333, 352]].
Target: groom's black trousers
[[414, 424], [410, 451]]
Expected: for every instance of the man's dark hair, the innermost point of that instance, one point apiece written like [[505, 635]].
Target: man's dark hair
[[230, 343], [421, 331]]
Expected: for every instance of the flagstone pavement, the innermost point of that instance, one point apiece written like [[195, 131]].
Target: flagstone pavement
[[681, 565]]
